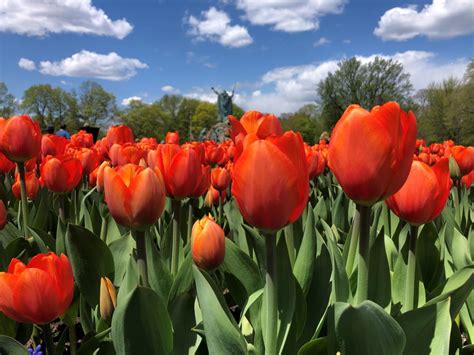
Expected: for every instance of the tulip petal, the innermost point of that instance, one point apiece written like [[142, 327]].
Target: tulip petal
[[7, 285], [117, 196], [441, 171]]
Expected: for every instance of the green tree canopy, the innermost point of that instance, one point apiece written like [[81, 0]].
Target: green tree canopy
[[96, 105], [307, 121], [8, 105], [368, 85]]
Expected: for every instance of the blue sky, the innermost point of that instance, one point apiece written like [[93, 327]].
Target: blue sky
[[274, 51]]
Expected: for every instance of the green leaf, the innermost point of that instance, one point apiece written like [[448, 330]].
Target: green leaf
[[141, 324], [366, 330], [427, 329], [121, 250], [183, 319], [379, 276], [10, 346], [91, 344], [305, 260], [183, 281], [314, 347], [222, 334], [158, 274], [428, 256], [90, 260]]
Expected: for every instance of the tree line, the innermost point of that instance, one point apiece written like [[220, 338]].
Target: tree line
[[443, 109]]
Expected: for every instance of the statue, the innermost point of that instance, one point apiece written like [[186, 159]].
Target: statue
[[224, 104]]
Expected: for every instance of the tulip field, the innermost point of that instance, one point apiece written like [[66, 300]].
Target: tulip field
[[260, 244]]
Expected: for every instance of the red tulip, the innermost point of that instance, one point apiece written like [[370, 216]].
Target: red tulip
[[6, 165], [3, 217], [118, 135], [220, 178], [89, 159], [20, 138], [180, 167], [135, 196], [424, 194], [270, 181], [207, 243], [32, 185], [82, 139], [125, 154], [38, 292], [371, 152], [215, 154], [52, 144], [61, 174], [464, 157], [172, 137], [468, 180]]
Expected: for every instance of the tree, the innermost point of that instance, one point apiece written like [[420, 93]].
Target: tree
[[368, 85], [146, 120], [306, 120], [50, 106], [204, 117], [8, 105], [96, 105], [187, 109]]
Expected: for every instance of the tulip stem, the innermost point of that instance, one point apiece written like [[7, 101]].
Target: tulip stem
[[62, 212], [176, 204], [190, 221], [411, 270], [221, 206], [72, 340], [103, 229], [353, 242], [364, 253], [48, 339], [24, 199], [290, 243], [271, 295], [141, 256]]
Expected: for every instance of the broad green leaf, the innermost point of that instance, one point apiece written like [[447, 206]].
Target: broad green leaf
[[222, 334], [158, 274], [315, 347], [141, 324], [304, 265], [427, 329], [90, 260], [121, 250], [379, 276], [10, 346]]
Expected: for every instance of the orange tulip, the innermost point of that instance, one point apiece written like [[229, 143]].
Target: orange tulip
[[61, 174], [270, 180], [3, 215], [20, 138], [468, 180], [424, 194], [135, 195], [38, 292], [125, 154], [213, 195], [207, 243], [82, 139], [371, 152], [120, 134], [172, 137], [220, 178], [52, 144], [464, 157], [89, 159], [181, 169], [255, 122], [32, 185], [214, 153], [100, 175]]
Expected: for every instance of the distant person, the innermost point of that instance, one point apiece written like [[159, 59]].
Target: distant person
[[50, 129], [63, 132]]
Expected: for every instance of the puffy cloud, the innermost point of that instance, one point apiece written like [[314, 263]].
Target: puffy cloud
[[289, 15], [40, 17], [169, 89], [126, 101], [286, 89], [93, 65], [26, 64], [321, 42], [214, 25], [440, 19]]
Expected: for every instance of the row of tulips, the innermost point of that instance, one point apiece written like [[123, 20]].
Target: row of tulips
[[260, 244]]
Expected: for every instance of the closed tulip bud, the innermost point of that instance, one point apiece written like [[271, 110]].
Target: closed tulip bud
[[220, 178], [61, 174], [32, 185], [3, 215], [89, 159], [270, 180], [213, 196], [52, 144], [454, 168], [120, 134], [82, 139], [468, 179], [172, 137], [424, 194], [20, 138], [108, 298], [464, 157], [207, 243], [371, 152], [135, 196], [38, 292], [100, 175]]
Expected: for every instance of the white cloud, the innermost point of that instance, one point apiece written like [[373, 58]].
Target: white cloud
[[93, 65], [169, 89], [202, 94], [347, 41], [289, 15], [40, 17], [26, 64], [286, 89], [214, 25], [126, 101], [441, 19], [321, 42]]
